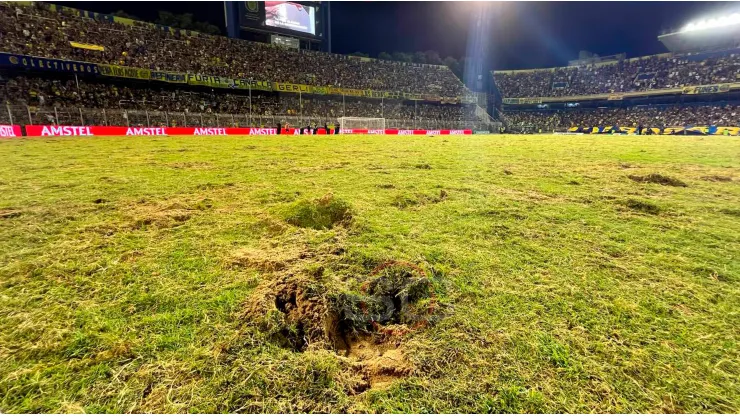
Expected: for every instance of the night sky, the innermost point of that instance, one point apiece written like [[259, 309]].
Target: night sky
[[522, 35]]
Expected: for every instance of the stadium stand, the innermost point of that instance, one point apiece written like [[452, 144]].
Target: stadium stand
[[658, 116], [694, 92], [630, 75], [131, 73], [40, 31], [30, 94]]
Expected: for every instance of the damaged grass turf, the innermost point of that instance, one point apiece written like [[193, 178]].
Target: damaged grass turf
[[323, 213], [659, 179], [302, 308], [642, 206], [397, 293], [565, 300]]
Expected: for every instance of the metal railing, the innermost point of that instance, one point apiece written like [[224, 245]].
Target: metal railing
[[81, 116]]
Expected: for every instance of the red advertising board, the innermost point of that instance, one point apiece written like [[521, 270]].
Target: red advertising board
[[35, 130], [7, 130], [405, 132], [39, 130]]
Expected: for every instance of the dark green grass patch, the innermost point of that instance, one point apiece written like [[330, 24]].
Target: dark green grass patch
[[322, 213], [642, 206], [659, 179]]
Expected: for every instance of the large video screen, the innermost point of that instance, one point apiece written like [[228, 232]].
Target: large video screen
[[292, 16]]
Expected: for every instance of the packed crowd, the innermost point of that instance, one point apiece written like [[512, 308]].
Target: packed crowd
[[653, 72], [57, 93], [669, 116], [37, 31]]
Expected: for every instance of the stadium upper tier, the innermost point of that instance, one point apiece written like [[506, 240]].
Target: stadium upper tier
[[657, 72], [48, 31]]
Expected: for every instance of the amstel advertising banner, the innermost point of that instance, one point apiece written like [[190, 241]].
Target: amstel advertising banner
[[41, 130], [7, 130], [46, 130]]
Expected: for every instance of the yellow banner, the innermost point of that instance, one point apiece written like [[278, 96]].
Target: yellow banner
[[87, 46], [707, 89], [245, 84], [124, 71], [296, 88], [694, 130], [171, 77], [210, 81], [534, 100], [346, 91]]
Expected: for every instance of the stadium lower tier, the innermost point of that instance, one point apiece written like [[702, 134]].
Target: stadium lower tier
[[655, 117], [45, 100]]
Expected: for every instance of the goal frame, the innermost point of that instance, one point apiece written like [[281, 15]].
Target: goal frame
[[361, 123]]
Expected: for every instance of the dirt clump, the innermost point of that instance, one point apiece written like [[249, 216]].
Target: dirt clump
[[8, 213], [730, 211], [163, 219], [323, 213], [294, 313], [378, 361], [642, 206], [717, 178], [267, 259], [298, 308], [405, 200], [160, 214], [189, 165], [397, 293], [659, 179], [204, 204], [303, 308]]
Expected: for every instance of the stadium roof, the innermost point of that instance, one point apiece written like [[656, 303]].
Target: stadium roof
[[711, 34]]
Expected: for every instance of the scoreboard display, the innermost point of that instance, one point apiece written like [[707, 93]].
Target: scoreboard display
[[284, 17]]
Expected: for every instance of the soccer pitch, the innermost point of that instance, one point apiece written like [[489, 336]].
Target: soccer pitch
[[215, 274]]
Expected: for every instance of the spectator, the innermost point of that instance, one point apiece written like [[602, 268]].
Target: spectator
[[41, 32], [62, 94], [664, 116], [639, 74]]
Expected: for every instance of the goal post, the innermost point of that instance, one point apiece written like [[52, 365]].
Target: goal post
[[361, 123]]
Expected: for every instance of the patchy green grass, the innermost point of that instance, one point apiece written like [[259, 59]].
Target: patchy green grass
[[560, 284]]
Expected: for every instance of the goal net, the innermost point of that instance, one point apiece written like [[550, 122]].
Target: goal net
[[361, 123]]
